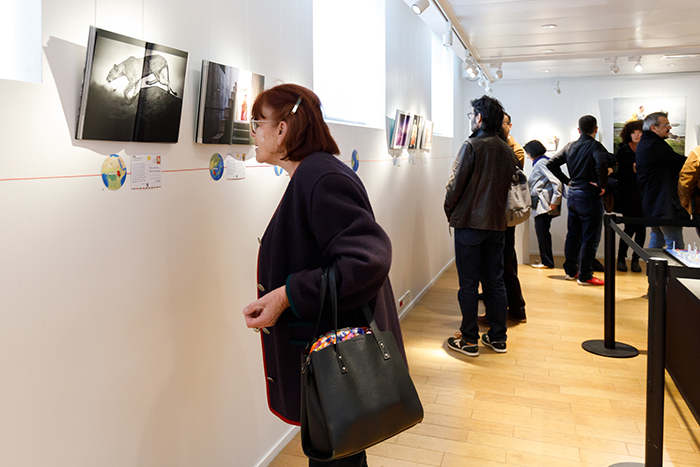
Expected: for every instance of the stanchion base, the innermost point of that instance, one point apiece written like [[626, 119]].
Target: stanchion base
[[620, 351], [628, 464]]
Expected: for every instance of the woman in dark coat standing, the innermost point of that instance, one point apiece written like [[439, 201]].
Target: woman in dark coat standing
[[628, 201], [324, 218]]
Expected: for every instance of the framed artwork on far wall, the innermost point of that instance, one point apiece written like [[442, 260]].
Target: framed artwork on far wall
[[627, 109], [416, 132], [400, 130], [132, 90], [426, 141]]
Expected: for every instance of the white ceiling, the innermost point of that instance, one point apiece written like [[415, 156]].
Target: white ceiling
[[588, 32]]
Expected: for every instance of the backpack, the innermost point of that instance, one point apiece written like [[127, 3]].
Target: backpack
[[519, 200]]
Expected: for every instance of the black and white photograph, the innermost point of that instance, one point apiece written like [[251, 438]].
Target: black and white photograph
[[217, 103], [132, 90], [248, 87]]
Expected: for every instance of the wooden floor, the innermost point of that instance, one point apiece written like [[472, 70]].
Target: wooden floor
[[545, 403]]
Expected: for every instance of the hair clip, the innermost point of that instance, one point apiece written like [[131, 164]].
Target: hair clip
[[296, 106]]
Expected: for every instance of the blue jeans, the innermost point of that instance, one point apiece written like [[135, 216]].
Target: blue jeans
[[583, 236], [479, 257], [666, 236]]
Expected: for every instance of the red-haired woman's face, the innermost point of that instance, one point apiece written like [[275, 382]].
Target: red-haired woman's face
[[266, 138]]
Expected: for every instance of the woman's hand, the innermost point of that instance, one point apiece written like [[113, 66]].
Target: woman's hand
[[552, 207], [265, 311]]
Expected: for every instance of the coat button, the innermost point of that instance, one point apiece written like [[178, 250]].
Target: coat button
[[270, 379], [261, 288]]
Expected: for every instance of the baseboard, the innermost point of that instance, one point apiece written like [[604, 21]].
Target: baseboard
[[279, 447], [415, 300]]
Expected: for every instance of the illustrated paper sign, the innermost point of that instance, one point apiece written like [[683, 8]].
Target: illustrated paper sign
[[145, 172], [235, 169], [113, 172]]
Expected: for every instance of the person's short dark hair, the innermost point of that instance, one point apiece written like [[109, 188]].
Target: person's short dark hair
[[535, 149], [587, 124], [491, 112], [653, 120], [629, 128], [307, 131]]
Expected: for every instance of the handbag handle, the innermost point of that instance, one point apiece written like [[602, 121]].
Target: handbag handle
[[328, 279]]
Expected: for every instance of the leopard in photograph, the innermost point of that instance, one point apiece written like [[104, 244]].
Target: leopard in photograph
[[136, 69]]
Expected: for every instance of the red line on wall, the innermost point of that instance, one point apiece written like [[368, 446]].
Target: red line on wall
[[260, 166]]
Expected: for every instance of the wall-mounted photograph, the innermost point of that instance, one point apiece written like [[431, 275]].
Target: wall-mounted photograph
[[217, 103], [626, 109], [132, 90], [248, 87], [400, 129], [427, 138], [416, 132]]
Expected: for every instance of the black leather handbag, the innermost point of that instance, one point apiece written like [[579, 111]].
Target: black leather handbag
[[355, 393]]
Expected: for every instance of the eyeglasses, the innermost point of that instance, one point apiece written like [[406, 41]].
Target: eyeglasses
[[255, 124], [470, 115], [665, 124]]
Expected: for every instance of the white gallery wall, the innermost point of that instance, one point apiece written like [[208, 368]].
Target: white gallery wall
[[537, 111], [121, 336]]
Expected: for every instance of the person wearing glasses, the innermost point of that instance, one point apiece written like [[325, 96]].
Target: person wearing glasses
[[324, 218], [658, 167], [475, 205]]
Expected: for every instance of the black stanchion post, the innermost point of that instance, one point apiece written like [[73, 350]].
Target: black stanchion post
[[656, 361], [608, 347], [609, 299]]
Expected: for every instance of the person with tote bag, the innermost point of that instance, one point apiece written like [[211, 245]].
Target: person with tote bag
[[323, 220]]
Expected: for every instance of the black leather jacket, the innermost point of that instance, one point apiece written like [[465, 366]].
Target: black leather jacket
[[477, 191]]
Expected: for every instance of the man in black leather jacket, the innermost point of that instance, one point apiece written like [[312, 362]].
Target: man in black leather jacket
[[587, 162], [475, 205]]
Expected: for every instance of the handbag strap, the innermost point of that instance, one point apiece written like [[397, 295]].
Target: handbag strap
[[328, 280]]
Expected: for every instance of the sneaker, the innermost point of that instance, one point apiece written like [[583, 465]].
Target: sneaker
[[458, 345], [591, 281], [621, 265], [541, 266], [498, 347], [571, 278]]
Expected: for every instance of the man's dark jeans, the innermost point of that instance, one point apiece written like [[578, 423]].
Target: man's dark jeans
[[479, 257], [584, 228]]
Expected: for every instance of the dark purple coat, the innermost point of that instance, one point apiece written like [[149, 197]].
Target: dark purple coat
[[323, 218]]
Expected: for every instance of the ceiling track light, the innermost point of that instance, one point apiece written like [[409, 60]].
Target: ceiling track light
[[447, 37], [613, 68], [636, 58], [499, 72], [420, 6]]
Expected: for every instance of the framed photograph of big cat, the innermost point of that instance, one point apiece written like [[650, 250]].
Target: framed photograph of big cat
[[132, 90], [626, 109]]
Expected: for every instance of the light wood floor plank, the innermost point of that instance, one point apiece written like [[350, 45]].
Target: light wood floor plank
[[546, 402]]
